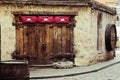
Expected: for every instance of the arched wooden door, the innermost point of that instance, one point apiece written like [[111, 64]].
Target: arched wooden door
[[40, 42]]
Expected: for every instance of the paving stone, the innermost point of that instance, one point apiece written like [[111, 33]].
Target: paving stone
[[63, 65]]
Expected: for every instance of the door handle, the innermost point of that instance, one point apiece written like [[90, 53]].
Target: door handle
[[43, 46]]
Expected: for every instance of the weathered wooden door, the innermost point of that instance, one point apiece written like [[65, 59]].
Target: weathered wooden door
[[43, 43], [31, 44], [35, 37]]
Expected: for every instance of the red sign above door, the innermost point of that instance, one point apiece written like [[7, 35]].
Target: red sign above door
[[45, 19]]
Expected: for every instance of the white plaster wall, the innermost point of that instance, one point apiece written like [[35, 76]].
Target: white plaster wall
[[103, 55], [7, 34], [85, 37]]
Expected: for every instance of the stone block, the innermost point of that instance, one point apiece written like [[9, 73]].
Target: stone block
[[63, 65]]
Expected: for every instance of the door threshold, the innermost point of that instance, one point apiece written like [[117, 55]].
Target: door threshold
[[42, 66]]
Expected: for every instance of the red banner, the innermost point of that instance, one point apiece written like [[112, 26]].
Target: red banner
[[29, 19], [45, 19]]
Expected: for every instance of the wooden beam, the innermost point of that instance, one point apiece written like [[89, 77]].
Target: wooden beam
[[43, 13]]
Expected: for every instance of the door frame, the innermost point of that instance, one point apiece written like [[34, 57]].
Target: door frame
[[17, 23]]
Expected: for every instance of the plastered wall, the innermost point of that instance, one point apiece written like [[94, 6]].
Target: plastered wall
[[85, 37]]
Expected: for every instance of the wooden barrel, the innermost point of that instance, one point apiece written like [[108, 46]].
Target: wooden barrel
[[110, 37], [14, 70]]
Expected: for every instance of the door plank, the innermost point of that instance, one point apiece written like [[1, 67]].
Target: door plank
[[51, 44], [21, 37], [43, 43], [47, 42], [63, 39], [59, 39], [51, 39], [67, 39], [55, 44], [17, 40], [25, 40], [39, 43], [31, 43]]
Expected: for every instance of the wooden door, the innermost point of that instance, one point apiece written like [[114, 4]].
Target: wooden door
[[36, 44], [43, 43], [31, 44], [60, 42]]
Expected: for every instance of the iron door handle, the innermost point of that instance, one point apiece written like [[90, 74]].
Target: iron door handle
[[43, 46]]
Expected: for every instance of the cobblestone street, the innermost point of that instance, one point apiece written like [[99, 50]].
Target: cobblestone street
[[110, 73]]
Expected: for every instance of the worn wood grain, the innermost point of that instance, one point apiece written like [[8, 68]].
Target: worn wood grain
[[21, 45], [67, 39], [51, 36], [39, 43], [63, 39], [25, 39], [55, 45], [17, 41], [47, 41], [59, 39], [31, 43]]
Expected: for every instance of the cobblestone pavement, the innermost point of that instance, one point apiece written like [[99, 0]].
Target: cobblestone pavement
[[110, 73]]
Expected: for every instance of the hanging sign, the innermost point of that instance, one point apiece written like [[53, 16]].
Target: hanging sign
[[29, 19], [62, 19], [45, 19]]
